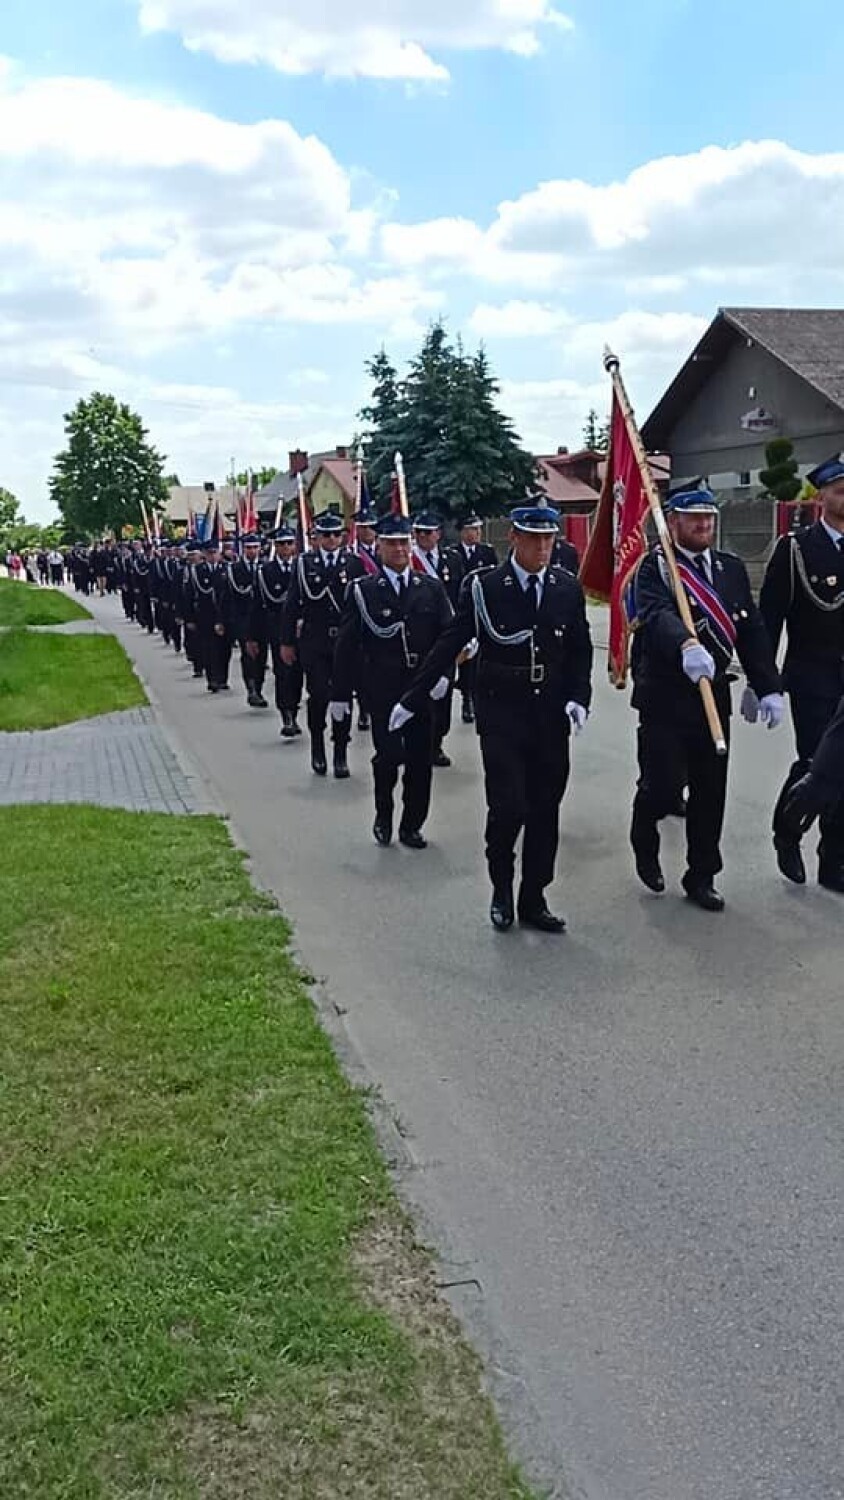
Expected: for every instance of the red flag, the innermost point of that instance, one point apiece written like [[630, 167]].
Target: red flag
[[618, 542], [395, 496]]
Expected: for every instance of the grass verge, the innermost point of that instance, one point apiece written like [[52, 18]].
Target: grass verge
[[47, 680], [207, 1290], [25, 604]]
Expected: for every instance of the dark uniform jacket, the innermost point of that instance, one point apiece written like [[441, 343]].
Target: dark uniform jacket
[[314, 602], [522, 660], [661, 690], [274, 580], [804, 591], [383, 639], [203, 594], [448, 572], [565, 555], [479, 557], [241, 580]]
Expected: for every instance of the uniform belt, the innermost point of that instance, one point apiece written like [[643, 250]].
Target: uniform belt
[[538, 672]]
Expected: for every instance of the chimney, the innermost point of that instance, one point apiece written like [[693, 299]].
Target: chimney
[[298, 462], [561, 452], [342, 451]]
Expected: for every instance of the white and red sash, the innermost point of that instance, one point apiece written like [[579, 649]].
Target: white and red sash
[[421, 562], [704, 596]]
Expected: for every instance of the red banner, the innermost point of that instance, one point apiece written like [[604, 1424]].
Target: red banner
[[618, 540]]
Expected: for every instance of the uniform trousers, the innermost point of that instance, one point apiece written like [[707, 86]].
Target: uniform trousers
[[288, 682], [253, 669], [213, 655], [318, 671], [671, 756], [412, 748], [525, 754], [811, 714]]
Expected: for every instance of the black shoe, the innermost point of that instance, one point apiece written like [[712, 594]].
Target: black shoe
[[224, 687], [704, 895], [341, 765], [412, 838], [254, 700], [790, 861], [198, 672], [467, 712], [441, 759], [382, 832], [831, 877], [287, 730], [541, 918], [363, 722], [501, 908], [212, 687], [319, 764], [650, 874]]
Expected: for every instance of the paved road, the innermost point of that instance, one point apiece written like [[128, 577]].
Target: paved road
[[631, 1137]]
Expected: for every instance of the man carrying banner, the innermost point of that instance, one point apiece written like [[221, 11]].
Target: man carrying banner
[[675, 740]]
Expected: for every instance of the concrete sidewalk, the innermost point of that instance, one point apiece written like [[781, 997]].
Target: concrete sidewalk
[[627, 1143]]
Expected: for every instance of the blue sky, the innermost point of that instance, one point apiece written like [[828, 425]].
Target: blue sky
[[219, 208]]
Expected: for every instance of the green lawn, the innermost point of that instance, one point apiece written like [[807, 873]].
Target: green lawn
[[25, 604], [207, 1291], [54, 679]]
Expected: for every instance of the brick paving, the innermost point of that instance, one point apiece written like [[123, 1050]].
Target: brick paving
[[115, 760]]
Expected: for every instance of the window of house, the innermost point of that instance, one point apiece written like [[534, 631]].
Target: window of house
[[744, 478]]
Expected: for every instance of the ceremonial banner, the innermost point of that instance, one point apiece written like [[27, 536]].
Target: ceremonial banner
[[617, 543]]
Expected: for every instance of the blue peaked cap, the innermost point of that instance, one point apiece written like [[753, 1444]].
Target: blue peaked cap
[[539, 517], [694, 498], [827, 472], [392, 525]]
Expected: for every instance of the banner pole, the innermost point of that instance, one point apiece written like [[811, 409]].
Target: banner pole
[[613, 368]]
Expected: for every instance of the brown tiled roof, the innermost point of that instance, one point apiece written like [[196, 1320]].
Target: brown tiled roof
[[562, 489], [808, 340]]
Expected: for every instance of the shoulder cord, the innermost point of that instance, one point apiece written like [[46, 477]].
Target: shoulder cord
[[829, 606], [233, 584], [264, 588], [315, 598], [381, 632]]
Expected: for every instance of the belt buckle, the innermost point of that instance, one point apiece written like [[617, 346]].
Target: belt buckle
[[412, 658], [537, 671], [332, 631]]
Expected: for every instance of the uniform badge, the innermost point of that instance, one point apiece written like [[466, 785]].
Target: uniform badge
[[832, 581]]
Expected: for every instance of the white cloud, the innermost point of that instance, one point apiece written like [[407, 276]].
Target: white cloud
[[518, 320], [747, 214], [389, 39]]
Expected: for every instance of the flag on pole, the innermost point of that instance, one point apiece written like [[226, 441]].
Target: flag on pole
[[618, 541]]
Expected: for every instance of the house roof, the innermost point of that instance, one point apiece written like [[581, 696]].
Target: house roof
[[808, 341], [562, 488], [283, 485], [342, 470]]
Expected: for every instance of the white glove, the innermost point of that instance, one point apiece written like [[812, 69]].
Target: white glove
[[439, 689], [577, 715], [698, 663], [399, 717], [749, 706], [771, 709], [339, 711], [470, 649]]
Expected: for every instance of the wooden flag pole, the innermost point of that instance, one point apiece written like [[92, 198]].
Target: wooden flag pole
[[303, 513], [613, 369]]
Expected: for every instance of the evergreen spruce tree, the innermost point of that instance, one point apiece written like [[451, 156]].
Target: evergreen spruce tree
[[382, 418]]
